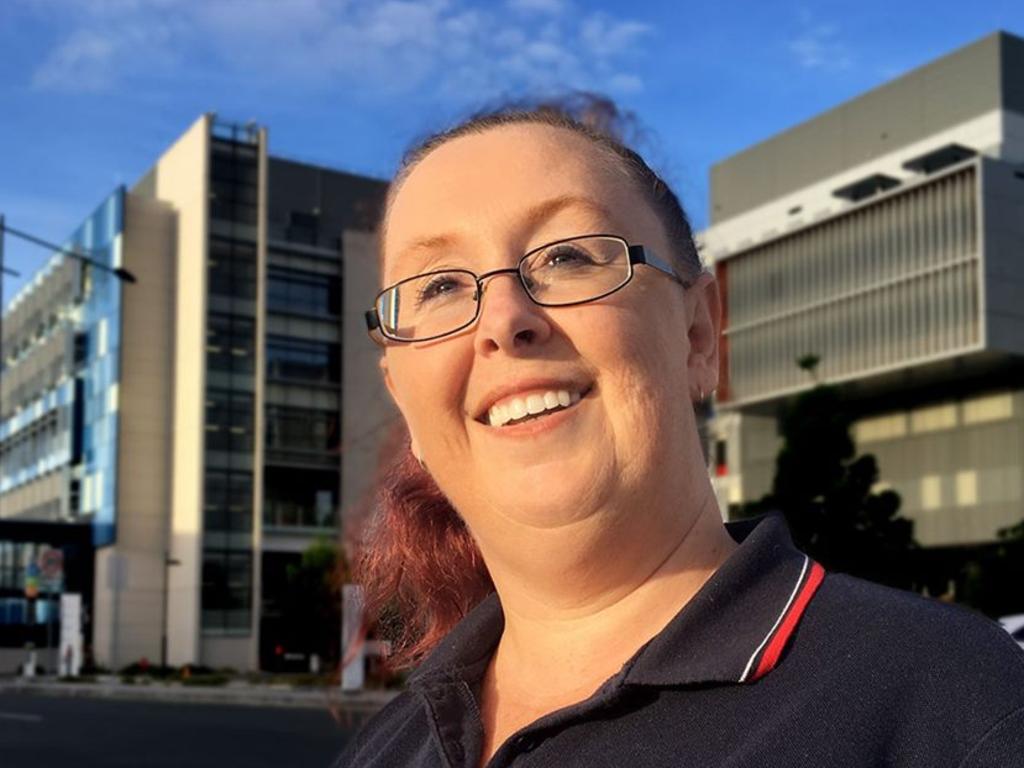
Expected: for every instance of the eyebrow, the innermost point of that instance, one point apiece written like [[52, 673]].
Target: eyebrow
[[532, 220]]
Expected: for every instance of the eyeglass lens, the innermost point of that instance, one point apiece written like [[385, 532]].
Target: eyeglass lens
[[567, 272]]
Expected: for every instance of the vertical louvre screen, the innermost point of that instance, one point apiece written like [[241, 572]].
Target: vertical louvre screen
[[879, 287]]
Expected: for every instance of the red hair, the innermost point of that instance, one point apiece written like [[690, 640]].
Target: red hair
[[419, 566]]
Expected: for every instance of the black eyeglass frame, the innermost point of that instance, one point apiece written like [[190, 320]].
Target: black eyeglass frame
[[638, 254]]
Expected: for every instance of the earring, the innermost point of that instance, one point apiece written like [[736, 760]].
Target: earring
[[700, 397]]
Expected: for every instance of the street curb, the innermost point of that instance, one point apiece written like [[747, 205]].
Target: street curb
[[363, 704]]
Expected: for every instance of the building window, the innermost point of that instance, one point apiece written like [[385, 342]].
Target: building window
[[303, 360], [81, 348], [302, 429], [304, 293], [979, 410], [232, 268], [300, 497], [931, 492], [229, 420], [227, 591], [303, 227], [933, 418], [234, 190], [230, 343], [966, 488], [227, 501]]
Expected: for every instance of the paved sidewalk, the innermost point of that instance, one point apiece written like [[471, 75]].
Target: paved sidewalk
[[360, 705]]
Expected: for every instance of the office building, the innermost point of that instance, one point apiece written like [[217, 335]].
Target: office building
[[886, 236], [209, 421]]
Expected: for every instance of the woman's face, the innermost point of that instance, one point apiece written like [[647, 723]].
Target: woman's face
[[631, 362]]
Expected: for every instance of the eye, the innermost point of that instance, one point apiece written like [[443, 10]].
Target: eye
[[566, 255], [438, 287]]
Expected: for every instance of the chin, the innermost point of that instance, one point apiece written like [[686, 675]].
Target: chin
[[551, 495]]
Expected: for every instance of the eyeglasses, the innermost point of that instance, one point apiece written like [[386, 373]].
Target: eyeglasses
[[560, 274]]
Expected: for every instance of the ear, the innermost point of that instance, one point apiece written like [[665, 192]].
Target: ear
[[389, 382], [703, 333]]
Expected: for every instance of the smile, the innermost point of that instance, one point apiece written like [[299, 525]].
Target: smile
[[527, 406]]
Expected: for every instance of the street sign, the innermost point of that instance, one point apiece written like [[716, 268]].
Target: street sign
[[51, 563]]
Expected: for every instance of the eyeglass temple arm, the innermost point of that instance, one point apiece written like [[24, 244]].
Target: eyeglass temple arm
[[372, 321], [638, 254]]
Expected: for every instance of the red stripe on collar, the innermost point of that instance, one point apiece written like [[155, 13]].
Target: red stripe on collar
[[792, 617]]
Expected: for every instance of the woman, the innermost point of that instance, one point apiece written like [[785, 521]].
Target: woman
[[547, 329]]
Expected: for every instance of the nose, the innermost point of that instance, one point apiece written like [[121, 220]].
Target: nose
[[509, 320]]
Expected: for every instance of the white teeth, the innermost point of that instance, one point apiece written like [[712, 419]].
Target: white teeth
[[517, 409], [534, 403]]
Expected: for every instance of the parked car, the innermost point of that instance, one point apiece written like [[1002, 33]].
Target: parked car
[[1015, 626]]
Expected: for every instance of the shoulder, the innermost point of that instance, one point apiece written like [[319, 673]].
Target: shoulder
[[397, 735], [905, 627], [934, 672]]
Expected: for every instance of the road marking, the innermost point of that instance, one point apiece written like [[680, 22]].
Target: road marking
[[21, 718]]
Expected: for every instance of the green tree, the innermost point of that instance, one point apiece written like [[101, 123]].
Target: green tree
[[824, 490]]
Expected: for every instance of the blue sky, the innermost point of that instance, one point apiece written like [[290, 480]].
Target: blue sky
[[92, 92]]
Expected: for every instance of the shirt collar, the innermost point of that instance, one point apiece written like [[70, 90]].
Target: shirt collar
[[733, 630]]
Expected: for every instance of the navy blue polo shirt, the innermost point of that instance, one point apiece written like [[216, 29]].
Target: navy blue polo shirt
[[772, 663]]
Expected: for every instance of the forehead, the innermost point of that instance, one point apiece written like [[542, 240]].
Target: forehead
[[480, 185]]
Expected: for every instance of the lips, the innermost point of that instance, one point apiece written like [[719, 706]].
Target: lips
[[525, 399]]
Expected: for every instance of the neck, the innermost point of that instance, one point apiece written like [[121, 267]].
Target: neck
[[595, 592]]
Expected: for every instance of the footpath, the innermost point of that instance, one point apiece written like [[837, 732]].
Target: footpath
[[348, 706]]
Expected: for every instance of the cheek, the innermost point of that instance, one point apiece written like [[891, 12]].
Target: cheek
[[647, 391], [429, 386]]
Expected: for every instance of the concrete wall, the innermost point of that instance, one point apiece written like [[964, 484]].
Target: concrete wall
[[954, 89], [233, 652], [181, 179], [129, 617], [43, 498], [367, 408], [958, 465]]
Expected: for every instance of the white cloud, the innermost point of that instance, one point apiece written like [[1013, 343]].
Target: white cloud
[[607, 36], [819, 46], [86, 59], [445, 47]]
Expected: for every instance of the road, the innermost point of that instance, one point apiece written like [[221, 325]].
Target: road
[[43, 731]]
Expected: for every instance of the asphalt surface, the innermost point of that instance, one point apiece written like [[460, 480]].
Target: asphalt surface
[[43, 731]]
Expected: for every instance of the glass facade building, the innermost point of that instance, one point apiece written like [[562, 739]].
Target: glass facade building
[[196, 419], [59, 396]]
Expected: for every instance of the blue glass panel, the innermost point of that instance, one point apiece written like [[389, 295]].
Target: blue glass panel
[[101, 237]]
